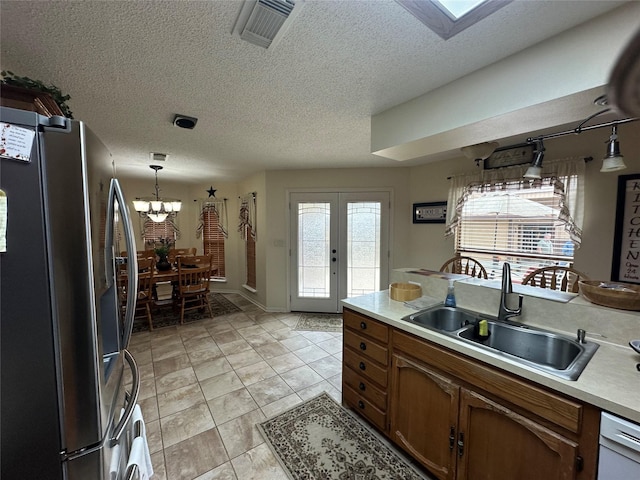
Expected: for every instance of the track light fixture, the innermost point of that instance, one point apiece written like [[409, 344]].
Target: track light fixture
[[613, 160], [535, 169]]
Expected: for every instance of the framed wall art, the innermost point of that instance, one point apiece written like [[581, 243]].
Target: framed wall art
[[625, 266], [433, 212]]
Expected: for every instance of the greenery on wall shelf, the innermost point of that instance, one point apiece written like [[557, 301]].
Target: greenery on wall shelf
[[10, 78]]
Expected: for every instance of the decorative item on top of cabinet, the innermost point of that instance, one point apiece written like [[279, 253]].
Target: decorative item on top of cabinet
[[365, 367]]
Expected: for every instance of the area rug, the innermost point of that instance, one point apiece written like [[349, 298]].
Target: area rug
[[320, 322], [167, 316], [320, 439]]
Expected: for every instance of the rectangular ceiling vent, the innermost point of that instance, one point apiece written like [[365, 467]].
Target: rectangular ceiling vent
[[158, 157], [262, 22]]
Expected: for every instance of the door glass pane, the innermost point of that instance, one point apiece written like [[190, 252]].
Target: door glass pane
[[363, 248], [314, 273]]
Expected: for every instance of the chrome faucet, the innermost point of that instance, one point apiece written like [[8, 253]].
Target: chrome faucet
[[507, 289]]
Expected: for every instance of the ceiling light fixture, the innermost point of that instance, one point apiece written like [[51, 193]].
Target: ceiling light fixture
[[479, 151], [613, 160], [155, 208], [535, 169]]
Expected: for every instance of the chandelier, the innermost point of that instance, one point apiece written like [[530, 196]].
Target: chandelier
[[155, 208]]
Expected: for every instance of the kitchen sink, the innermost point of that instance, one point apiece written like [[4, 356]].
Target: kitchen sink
[[442, 318], [553, 353]]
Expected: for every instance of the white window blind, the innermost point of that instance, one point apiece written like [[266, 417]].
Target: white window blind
[[515, 222], [155, 231]]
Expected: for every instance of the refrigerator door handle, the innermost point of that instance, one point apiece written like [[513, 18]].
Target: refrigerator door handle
[[133, 399], [115, 193]]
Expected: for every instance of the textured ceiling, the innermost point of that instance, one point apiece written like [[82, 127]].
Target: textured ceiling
[[129, 66]]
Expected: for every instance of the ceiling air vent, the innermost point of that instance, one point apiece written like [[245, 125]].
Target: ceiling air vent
[[263, 22], [158, 157]]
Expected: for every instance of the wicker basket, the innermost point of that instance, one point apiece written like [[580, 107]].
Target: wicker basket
[[403, 292], [625, 296]]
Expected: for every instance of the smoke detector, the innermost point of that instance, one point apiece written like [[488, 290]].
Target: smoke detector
[[184, 121], [158, 157], [264, 22]]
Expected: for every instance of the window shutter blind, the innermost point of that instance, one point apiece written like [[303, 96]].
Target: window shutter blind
[[213, 239]]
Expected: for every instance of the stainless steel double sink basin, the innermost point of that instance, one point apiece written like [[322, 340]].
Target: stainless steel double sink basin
[[540, 349]]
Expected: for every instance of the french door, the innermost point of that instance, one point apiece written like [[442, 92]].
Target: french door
[[339, 247]]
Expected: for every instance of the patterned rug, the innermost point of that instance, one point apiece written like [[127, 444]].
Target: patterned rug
[[320, 439], [166, 316], [320, 322]]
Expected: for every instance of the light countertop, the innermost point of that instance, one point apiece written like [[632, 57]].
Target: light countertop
[[610, 380]]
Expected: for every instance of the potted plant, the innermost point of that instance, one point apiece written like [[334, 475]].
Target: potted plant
[[162, 248], [19, 88]]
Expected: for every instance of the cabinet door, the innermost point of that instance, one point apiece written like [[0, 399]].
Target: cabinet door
[[499, 444], [424, 411]]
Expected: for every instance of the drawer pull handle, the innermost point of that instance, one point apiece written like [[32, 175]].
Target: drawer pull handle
[[363, 346], [363, 325], [362, 386], [362, 366], [360, 403]]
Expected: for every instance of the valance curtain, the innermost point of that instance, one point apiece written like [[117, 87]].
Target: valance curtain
[[219, 207], [247, 216], [566, 175]]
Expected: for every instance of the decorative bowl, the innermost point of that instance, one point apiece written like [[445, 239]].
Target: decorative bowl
[[625, 296], [403, 292]]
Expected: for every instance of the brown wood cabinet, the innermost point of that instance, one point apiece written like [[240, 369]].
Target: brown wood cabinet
[[462, 419]]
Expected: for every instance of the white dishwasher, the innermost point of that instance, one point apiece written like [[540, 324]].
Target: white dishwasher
[[619, 449]]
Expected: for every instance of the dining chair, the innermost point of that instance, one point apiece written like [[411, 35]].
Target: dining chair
[[144, 297], [192, 291], [555, 277], [174, 253], [465, 266], [146, 254]]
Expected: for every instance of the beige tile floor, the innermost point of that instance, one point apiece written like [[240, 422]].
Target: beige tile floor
[[205, 385]]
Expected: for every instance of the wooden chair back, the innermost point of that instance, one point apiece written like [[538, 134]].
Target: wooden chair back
[[555, 277], [465, 266], [194, 273], [174, 253], [146, 254], [144, 297]]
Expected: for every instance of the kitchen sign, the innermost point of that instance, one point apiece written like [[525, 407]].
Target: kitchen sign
[[626, 246]]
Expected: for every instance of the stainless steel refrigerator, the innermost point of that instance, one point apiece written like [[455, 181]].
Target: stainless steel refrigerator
[[65, 321]]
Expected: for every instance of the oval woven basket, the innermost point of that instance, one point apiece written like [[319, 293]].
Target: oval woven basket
[[625, 296]]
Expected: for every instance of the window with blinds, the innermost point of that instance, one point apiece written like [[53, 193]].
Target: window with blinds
[[156, 231], [509, 223], [213, 240]]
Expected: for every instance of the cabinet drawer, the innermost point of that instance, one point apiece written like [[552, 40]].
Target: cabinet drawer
[[364, 387], [365, 408], [365, 325], [365, 367], [366, 347]]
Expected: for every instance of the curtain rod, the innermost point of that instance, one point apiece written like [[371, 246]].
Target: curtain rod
[[586, 160], [579, 129]]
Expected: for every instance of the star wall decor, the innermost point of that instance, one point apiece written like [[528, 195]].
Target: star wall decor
[[212, 191]]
